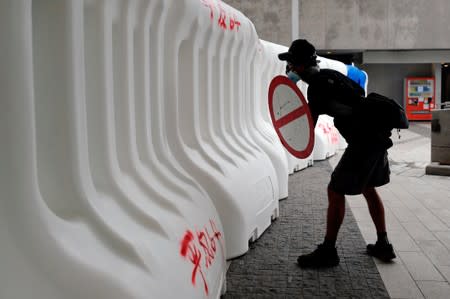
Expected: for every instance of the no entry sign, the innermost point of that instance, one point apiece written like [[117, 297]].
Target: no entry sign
[[291, 117]]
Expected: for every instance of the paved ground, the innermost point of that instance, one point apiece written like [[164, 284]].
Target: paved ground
[[418, 219], [269, 269]]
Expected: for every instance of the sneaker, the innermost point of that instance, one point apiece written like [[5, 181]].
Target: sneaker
[[319, 258], [383, 251]]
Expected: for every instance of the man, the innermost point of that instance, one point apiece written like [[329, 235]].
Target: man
[[364, 164]]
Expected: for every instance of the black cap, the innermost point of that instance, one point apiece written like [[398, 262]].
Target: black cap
[[300, 52]]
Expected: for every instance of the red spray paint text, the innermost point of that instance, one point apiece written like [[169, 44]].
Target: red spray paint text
[[225, 20], [331, 132], [198, 247]]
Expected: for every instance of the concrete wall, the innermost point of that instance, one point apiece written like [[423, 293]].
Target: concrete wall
[[381, 24], [354, 24], [272, 19], [398, 38]]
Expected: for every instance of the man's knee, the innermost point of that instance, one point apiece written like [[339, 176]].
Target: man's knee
[[335, 195], [369, 192]]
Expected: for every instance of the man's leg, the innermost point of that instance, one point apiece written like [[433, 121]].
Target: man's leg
[[376, 208], [335, 215], [382, 248], [341, 182], [326, 254]]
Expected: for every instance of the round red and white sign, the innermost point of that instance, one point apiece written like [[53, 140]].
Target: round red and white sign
[[291, 117]]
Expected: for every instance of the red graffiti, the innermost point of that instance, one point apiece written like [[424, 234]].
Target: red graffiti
[[225, 20], [325, 128], [210, 5], [187, 247], [190, 245], [331, 132], [234, 23], [334, 136], [222, 17]]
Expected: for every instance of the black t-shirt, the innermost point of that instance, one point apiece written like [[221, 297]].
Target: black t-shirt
[[332, 93]]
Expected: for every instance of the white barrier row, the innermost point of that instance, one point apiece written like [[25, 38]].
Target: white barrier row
[[270, 68], [82, 215], [137, 149], [136, 154]]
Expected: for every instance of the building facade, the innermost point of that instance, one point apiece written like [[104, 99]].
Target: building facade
[[389, 39]]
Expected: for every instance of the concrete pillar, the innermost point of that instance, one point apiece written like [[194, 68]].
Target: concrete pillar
[[437, 73], [295, 19]]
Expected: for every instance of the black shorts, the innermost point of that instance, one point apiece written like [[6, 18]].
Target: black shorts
[[360, 168]]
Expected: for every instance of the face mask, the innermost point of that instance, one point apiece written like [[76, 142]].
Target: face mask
[[293, 76]]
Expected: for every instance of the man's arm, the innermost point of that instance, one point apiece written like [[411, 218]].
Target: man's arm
[[339, 109], [329, 102]]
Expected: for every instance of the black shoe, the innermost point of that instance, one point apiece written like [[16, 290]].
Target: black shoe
[[319, 258], [383, 251]]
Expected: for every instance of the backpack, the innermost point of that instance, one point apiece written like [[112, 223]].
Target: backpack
[[385, 112]]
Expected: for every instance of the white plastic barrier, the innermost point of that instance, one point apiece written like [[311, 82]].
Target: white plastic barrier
[[137, 148], [327, 138], [259, 127], [327, 63], [342, 143], [240, 179], [139, 153], [58, 232], [266, 70]]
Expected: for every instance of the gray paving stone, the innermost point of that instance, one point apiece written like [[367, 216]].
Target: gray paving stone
[[269, 269]]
